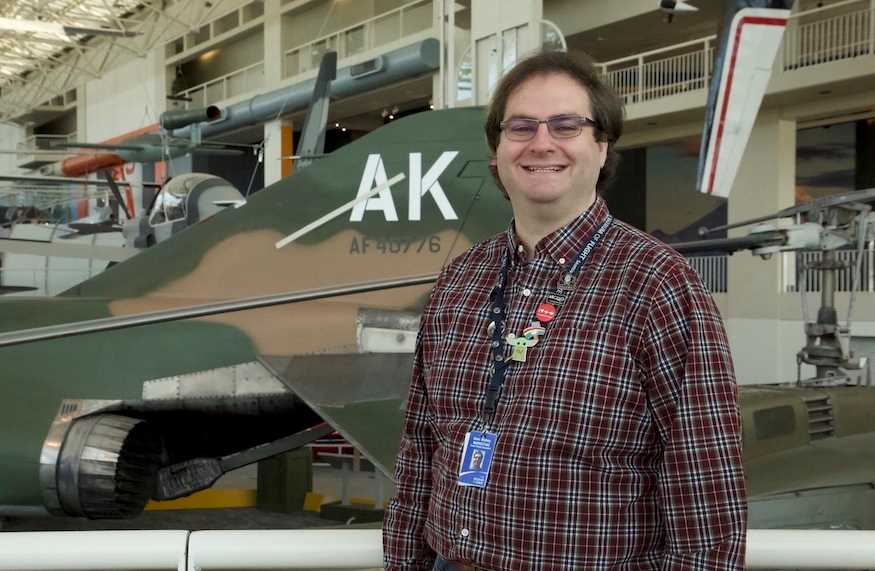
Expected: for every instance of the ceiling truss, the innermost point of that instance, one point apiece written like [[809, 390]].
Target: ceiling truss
[[36, 68]]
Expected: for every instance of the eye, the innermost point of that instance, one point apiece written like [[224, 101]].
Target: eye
[[565, 126], [520, 127]]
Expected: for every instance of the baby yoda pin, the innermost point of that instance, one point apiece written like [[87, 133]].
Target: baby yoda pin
[[530, 337]]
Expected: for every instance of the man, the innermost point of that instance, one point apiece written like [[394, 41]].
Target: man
[[581, 357], [477, 460]]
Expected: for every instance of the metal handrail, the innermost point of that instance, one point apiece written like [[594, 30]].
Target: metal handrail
[[354, 26], [661, 50], [713, 37], [30, 143], [712, 270], [222, 79], [638, 77]]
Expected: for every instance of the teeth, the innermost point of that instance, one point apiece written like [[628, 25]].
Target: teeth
[[543, 169]]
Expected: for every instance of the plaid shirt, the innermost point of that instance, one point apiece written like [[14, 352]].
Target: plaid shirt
[[619, 439]]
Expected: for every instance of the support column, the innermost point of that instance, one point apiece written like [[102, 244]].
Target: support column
[[81, 208], [277, 144], [273, 57], [444, 83], [278, 133], [764, 342]]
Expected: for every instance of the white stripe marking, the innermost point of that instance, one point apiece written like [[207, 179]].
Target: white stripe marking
[[338, 211]]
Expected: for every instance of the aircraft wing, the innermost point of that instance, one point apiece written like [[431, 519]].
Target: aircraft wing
[[362, 397], [746, 55]]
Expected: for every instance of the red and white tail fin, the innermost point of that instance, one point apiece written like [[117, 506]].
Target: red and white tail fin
[[742, 73]]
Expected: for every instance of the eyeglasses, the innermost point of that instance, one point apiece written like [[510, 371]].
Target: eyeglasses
[[560, 127]]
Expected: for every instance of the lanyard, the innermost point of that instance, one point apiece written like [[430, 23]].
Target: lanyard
[[498, 312]]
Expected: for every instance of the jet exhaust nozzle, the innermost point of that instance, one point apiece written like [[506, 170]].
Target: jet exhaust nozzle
[[106, 468], [171, 120]]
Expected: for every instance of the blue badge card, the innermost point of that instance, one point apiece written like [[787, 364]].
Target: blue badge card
[[476, 458]]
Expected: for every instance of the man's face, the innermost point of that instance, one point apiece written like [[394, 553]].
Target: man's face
[[476, 460], [546, 170]]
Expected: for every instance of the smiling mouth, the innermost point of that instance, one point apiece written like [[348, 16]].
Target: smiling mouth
[[544, 169]]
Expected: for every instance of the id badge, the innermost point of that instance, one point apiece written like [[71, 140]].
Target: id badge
[[477, 455]]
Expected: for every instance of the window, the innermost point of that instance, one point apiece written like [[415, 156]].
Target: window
[[169, 207], [834, 158], [655, 190]]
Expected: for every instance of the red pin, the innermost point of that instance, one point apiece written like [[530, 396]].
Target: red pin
[[545, 312]]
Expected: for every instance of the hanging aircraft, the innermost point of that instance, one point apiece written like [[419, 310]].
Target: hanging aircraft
[[395, 66], [223, 345], [157, 144], [183, 200]]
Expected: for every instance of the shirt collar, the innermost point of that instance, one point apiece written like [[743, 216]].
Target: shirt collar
[[564, 244]]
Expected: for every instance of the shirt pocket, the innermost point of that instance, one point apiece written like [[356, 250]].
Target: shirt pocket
[[588, 399]]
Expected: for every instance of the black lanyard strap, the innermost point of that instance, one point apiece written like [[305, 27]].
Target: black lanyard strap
[[498, 313]]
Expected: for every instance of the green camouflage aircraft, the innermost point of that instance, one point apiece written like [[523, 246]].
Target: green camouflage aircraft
[[89, 420], [98, 419]]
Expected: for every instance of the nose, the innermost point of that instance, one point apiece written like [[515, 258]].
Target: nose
[[543, 140]]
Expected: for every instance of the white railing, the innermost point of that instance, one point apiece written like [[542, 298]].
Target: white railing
[[839, 31], [35, 143], [811, 279], [712, 271], [344, 549], [363, 36], [811, 39], [229, 85], [81, 550], [654, 74]]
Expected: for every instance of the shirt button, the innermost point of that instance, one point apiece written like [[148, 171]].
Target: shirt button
[[520, 249], [562, 260], [527, 292], [465, 532]]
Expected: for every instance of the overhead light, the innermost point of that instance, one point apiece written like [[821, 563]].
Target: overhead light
[[391, 116], [336, 125], [209, 55], [343, 129]]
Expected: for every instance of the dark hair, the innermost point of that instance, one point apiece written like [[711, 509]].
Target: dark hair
[[607, 107]]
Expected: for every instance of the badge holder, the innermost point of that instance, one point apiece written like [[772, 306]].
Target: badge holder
[[477, 454]]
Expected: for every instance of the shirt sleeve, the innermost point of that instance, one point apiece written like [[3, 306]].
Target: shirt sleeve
[[694, 399], [404, 545]]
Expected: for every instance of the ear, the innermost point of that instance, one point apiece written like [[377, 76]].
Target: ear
[[603, 153], [493, 162]]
